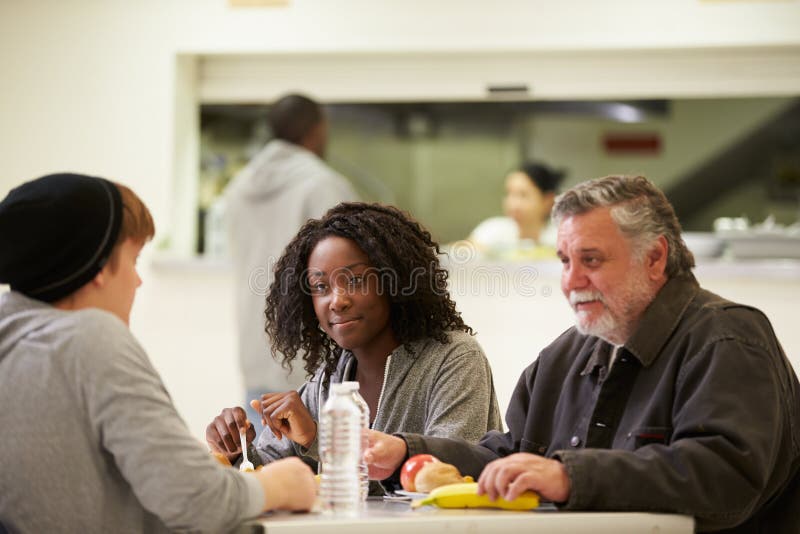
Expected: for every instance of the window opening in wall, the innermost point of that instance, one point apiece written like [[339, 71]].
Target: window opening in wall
[[445, 162]]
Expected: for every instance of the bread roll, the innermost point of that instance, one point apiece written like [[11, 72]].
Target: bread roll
[[435, 474], [221, 458]]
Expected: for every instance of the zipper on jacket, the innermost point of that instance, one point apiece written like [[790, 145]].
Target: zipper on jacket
[[383, 387], [323, 378]]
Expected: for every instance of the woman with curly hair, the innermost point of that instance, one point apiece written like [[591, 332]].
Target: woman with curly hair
[[360, 295]]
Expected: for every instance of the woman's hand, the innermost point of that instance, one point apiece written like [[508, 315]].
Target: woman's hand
[[286, 415], [222, 435]]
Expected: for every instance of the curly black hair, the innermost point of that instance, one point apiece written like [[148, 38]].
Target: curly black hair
[[420, 304]]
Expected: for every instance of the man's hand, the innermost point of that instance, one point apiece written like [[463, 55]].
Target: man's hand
[[288, 484], [510, 476], [286, 415], [385, 454], [222, 435]]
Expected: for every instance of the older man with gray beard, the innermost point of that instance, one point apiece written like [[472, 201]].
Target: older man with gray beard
[[663, 397]]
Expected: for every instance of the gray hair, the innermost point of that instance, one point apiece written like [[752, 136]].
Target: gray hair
[[641, 212]]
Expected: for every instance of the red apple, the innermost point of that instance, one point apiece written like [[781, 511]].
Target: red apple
[[410, 469]]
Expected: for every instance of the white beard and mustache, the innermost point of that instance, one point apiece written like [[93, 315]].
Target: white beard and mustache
[[621, 313], [606, 323]]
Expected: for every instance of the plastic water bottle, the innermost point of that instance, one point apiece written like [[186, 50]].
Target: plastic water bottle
[[363, 469], [340, 453]]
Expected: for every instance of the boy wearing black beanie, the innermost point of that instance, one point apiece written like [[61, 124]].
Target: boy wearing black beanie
[[92, 442]]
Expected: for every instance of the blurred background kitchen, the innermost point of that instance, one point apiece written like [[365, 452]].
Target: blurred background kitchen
[[430, 105]]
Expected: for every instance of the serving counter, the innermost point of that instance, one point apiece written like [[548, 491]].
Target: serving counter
[[517, 308], [397, 518]]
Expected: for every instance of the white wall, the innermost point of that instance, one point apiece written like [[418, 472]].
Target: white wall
[[514, 327], [693, 132], [88, 85]]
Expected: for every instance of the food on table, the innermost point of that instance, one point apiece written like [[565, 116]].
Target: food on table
[[221, 458], [465, 495], [250, 469], [435, 474], [412, 467]]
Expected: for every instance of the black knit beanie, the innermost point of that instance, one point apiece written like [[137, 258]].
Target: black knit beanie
[[56, 233]]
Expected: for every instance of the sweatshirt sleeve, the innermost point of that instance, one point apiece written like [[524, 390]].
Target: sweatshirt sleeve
[[462, 402], [472, 458], [134, 420], [269, 448]]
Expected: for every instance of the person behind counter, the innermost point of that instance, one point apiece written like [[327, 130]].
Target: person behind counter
[[266, 203], [525, 229], [663, 397], [360, 295], [92, 442]]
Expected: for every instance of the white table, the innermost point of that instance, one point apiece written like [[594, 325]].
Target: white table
[[398, 518]]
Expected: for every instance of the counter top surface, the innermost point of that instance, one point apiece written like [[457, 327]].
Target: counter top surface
[[397, 517], [779, 269]]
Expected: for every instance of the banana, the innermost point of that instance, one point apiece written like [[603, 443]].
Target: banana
[[465, 495]]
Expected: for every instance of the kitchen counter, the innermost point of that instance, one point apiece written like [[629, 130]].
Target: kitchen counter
[[783, 269], [517, 309], [184, 316]]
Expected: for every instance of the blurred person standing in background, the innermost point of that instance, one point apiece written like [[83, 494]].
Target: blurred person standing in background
[[267, 202], [525, 230]]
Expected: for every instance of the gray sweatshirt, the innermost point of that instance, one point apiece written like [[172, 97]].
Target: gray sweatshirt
[[91, 440], [265, 205], [443, 390]]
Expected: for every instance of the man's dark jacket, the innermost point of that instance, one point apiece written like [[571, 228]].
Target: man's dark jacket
[[698, 415]]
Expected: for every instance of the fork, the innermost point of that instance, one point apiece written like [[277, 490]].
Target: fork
[[246, 464]]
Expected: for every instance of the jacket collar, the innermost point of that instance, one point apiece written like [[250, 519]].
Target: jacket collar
[[662, 317], [401, 361], [599, 357]]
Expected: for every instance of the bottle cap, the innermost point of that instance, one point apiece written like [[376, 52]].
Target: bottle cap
[[343, 387], [352, 385]]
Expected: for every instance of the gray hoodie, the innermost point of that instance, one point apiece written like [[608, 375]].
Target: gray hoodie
[[265, 205], [91, 440], [443, 390]]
